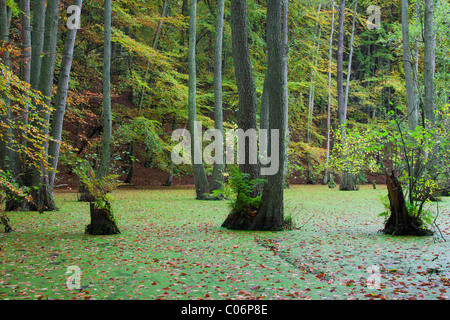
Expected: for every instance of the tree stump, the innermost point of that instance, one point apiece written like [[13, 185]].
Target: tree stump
[[102, 221], [400, 222]]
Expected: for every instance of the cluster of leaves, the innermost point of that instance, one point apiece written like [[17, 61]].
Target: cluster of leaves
[[9, 190], [240, 189], [100, 188]]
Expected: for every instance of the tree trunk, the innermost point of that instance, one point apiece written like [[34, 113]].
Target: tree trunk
[[37, 41], [107, 117], [270, 213], [219, 168], [102, 221], [349, 71], [61, 97], [400, 222], [42, 192], [330, 57], [26, 40], [200, 179], [245, 81], [429, 61], [413, 116], [348, 180]]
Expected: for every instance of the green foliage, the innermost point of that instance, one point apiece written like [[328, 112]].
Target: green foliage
[[100, 189], [239, 188]]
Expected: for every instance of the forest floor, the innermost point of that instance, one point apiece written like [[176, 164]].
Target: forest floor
[[173, 247]]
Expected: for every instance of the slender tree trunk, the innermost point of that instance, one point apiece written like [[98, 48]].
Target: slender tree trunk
[[429, 61], [340, 69], [26, 40], [102, 219], [270, 214], [245, 81], [107, 117], [200, 179], [37, 41], [310, 175], [330, 57], [349, 71], [347, 180], [61, 97], [218, 169], [407, 64], [42, 192]]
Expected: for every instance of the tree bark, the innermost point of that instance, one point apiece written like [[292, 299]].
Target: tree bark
[[42, 192], [413, 116], [245, 81], [61, 97], [347, 180], [200, 179], [218, 169], [429, 60], [330, 57], [349, 71], [102, 221], [107, 117], [400, 222], [37, 41], [26, 40], [270, 214]]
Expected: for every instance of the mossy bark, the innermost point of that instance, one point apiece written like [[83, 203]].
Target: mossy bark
[[102, 221], [400, 222]]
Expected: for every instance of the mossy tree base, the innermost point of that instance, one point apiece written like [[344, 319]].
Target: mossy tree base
[[400, 222], [102, 221]]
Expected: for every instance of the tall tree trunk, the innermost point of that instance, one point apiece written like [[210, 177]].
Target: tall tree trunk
[[407, 64], [37, 41], [429, 60], [200, 179], [285, 36], [42, 192], [342, 115], [349, 70], [245, 81], [218, 169], [330, 57], [107, 117], [102, 219], [26, 40], [8, 157], [270, 214], [247, 100], [347, 180], [315, 58], [61, 97]]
